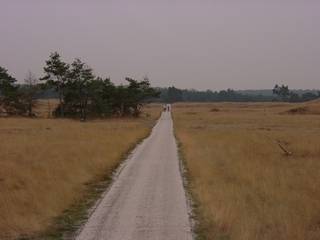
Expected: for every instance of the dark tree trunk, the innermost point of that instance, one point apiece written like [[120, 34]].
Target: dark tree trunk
[[61, 105], [61, 102], [122, 110], [30, 109], [85, 110]]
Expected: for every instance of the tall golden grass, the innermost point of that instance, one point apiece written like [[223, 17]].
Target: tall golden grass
[[46, 163], [246, 187]]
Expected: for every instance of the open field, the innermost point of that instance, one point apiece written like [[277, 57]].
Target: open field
[[245, 186], [45, 164]]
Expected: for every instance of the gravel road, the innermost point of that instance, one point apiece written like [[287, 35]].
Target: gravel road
[[147, 199]]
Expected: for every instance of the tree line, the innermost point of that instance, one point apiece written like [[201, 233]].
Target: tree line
[[80, 92], [280, 93], [283, 93]]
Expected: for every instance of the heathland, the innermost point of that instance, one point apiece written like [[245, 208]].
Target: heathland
[[47, 164], [253, 168]]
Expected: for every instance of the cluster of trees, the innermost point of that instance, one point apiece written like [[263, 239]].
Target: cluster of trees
[[283, 93], [80, 92], [280, 93], [16, 99]]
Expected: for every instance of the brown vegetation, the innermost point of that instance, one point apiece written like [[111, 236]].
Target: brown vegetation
[[245, 185], [312, 107], [45, 164]]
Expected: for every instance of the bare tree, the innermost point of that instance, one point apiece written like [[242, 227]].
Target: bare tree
[[30, 90]]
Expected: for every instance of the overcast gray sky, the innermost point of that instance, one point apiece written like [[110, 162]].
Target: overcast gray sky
[[202, 44]]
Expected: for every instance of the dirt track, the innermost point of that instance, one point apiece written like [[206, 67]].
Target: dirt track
[[147, 199]]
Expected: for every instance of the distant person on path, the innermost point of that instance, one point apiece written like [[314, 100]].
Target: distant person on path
[[164, 107]]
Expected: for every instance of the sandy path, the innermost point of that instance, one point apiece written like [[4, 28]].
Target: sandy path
[[147, 200]]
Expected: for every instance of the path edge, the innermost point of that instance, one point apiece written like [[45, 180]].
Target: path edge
[[113, 178], [185, 176]]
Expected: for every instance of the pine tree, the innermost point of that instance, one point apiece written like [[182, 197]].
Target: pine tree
[[56, 75]]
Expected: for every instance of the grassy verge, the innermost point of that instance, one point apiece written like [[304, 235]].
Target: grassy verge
[[191, 200], [66, 225], [200, 226]]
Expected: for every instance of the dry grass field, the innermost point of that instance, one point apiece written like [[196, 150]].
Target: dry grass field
[[45, 164], [245, 186]]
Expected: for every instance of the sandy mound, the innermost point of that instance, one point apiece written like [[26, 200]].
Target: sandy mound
[[312, 107]]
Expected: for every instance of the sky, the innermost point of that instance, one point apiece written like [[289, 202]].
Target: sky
[[199, 44]]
